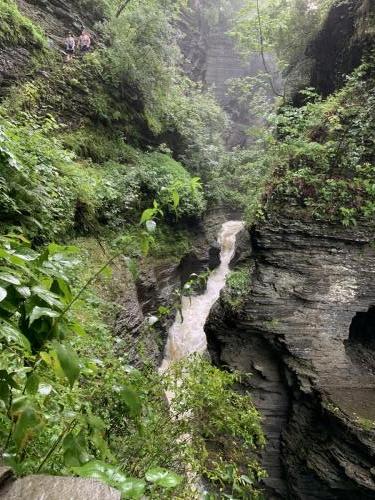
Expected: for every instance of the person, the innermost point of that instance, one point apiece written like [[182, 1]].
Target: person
[[70, 47], [84, 41]]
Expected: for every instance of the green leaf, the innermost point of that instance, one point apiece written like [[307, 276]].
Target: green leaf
[[175, 199], [64, 288], [27, 254], [28, 423], [111, 475], [51, 298], [4, 392], [131, 487], [32, 384], [75, 452], [131, 400], [96, 470], [24, 291], [12, 334], [77, 328], [39, 312], [10, 278], [3, 293], [69, 362], [8, 377], [147, 215], [163, 477]]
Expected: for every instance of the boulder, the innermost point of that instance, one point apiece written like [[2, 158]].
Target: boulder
[[41, 487]]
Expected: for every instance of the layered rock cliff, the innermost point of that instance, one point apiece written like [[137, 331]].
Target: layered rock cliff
[[311, 363]]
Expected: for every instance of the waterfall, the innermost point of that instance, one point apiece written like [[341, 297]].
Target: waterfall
[[187, 336]]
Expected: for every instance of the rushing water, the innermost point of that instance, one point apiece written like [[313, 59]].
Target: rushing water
[[187, 336]]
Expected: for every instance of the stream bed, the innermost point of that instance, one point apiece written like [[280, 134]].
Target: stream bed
[[187, 336]]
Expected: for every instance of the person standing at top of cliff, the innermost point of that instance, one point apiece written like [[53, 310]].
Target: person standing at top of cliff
[[70, 47], [84, 41]]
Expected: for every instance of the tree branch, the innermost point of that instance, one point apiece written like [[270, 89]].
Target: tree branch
[[122, 7], [261, 44]]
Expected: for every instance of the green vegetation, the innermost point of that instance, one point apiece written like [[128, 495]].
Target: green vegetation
[[279, 27], [323, 161], [59, 364], [237, 288], [311, 161], [50, 194], [17, 29]]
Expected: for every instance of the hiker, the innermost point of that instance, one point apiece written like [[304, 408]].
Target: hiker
[[84, 41], [70, 47]]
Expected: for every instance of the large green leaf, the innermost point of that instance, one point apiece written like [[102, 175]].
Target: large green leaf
[[97, 470], [24, 291], [3, 293], [69, 362], [13, 335], [39, 312], [61, 287], [28, 423], [9, 278], [32, 384], [51, 298], [163, 477], [131, 487], [26, 254], [147, 215]]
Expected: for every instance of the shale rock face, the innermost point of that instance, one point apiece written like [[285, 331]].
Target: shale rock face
[[156, 285], [306, 333], [55, 17], [337, 49]]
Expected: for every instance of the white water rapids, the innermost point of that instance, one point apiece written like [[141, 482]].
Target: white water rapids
[[186, 336]]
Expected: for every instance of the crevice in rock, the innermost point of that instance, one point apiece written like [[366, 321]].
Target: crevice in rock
[[360, 346], [232, 346], [362, 328]]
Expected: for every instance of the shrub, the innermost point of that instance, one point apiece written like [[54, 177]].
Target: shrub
[[34, 191]]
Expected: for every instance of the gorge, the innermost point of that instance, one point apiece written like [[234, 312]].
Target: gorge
[[187, 208]]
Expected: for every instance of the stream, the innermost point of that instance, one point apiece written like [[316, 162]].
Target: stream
[[187, 336]]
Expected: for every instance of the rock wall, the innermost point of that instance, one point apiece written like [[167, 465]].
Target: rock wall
[[337, 50], [314, 385], [55, 17], [155, 286], [212, 59]]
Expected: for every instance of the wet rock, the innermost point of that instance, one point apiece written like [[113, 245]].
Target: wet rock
[[336, 51], [6, 474], [309, 281], [243, 248], [13, 61]]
